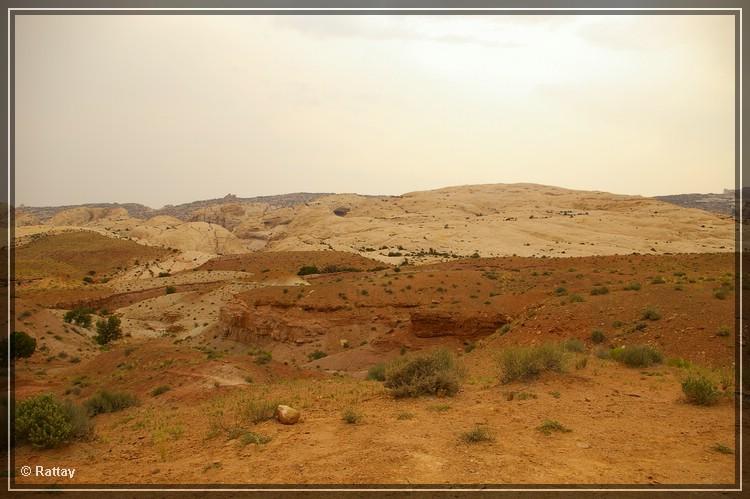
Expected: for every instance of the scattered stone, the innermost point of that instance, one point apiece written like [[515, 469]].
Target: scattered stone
[[287, 415]]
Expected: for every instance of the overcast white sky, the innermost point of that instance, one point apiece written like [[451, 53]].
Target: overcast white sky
[[169, 109]]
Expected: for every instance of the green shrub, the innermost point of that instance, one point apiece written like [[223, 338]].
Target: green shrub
[[263, 357], [561, 291], [308, 270], [159, 390], [21, 345], [548, 426], [597, 336], [699, 390], [650, 314], [105, 401], [434, 373], [170, 290], [476, 435], [599, 290], [633, 286], [573, 345], [575, 298], [108, 330], [520, 363], [636, 355], [45, 422], [658, 280], [376, 372], [317, 354], [723, 331], [80, 316]]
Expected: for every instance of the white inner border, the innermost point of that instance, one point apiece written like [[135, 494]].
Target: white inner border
[[354, 11]]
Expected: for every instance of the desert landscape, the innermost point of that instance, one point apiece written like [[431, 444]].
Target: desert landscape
[[484, 334], [391, 249]]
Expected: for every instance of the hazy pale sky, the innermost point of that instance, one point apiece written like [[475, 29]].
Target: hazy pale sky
[[168, 109]]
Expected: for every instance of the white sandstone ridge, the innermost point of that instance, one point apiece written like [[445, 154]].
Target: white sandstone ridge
[[488, 220]]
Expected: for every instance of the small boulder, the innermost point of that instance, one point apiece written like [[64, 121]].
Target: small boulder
[[341, 211], [287, 415]]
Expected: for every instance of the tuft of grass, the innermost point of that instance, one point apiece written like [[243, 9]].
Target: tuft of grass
[[250, 437], [658, 280], [722, 449], [633, 286], [561, 291], [550, 425], [405, 415], [433, 373], [723, 332], [720, 294], [700, 390], [476, 435], [636, 355], [576, 298], [582, 362], [257, 411], [519, 363], [597, 336], [573, 345], [650, 314], [439, 408], [599, 290], [350, 416]]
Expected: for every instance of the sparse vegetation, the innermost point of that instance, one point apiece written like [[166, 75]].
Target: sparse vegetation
[[599, 290], [633, 286], [317, 354], [106, 401], [170, 290], [650, 314], [636, 355], [308, 270], [44, 421], [376, 372], [108, 330], [350, 416], [519, 363], [722, 449], [550, 426], [21, 346], [700, 390], [597, 336], [434, 373], [80, 316], [476, 435], [573, 345]]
